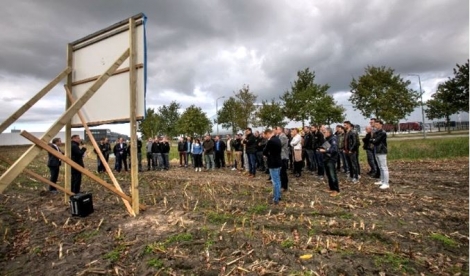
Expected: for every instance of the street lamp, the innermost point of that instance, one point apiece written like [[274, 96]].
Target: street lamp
[[217, 112], [422, 105]]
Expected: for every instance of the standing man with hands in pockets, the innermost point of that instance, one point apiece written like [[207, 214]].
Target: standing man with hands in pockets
[[54, 163], [77, 157]]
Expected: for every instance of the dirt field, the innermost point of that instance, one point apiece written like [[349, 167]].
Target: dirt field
[[221, 223]]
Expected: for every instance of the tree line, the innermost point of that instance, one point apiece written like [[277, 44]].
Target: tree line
[[379, 93]]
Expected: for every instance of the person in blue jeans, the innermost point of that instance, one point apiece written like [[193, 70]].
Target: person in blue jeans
[[272, 151]]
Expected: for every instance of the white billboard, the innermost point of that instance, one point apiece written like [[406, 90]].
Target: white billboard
[[92, 55]]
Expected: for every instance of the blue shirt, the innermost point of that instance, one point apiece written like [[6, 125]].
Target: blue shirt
[[197, 148]]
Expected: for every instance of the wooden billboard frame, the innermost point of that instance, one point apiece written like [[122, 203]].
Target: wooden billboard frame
[[72, 108]]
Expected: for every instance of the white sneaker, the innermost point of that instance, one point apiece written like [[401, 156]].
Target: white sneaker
[[354, 180], [384, 186], [195, 169], [378, 183], [233, 169]]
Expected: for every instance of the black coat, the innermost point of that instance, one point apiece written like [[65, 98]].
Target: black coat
[[222, 146], [165, 147], [77, 153], [380, 142], [156, 147], [120, 151], [53, 161], [272, 151], [250, 142], [318, 139]]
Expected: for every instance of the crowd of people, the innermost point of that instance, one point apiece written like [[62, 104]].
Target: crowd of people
[[315, 149]]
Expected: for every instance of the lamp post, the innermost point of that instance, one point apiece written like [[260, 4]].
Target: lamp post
[[217, 112], [422, 105]]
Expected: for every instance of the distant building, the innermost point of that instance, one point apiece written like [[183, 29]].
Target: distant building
[[105, 133]]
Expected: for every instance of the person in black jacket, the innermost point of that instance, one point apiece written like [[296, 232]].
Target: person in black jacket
[[318, 140], [380, 143], [219, 152], [54, 163], [120, 153], [77, 157], [308, 146], [165, 148], [183, 151], [238, 152], [250, 143], [369, 148], [102, 148], [260, 144], [330, 155], [272, 151], [351, 147]]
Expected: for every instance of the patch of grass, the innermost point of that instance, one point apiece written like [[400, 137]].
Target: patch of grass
[[115, 254], [179, 238], [428, 149], [287, 244], [86, 235], [156, 246], [446, 241], [218, 218], [346, 216], [258, 209], [155, 263], [393, 261]]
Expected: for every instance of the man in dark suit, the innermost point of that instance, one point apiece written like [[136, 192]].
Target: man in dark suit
[[219, 151], [77, 157], [272, 151], [120, 153], [54, 164]]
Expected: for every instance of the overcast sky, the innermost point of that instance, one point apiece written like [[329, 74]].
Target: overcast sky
[[201, 50]]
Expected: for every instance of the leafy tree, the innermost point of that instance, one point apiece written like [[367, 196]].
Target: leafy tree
[[383, 94], [270, 115], [301, 102], [228, 113], [459, 87], [442, 104], [169, 116], [193, 121], [150, 125], [246, 107], [327, 111]]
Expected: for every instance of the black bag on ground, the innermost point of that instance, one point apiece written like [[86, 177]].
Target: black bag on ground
[[81, 204]]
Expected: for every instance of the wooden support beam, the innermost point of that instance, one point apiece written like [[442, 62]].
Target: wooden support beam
[[43, 145], [100, 154], [133, 110], [68, 127], [33, 151], [34, 99], [40, 178]]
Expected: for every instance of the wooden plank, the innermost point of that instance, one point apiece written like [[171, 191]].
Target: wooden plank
[[120, 71], [104, 36], [133, 120], [68, 127], [105, 30], [33, 151], [100, 154], [43, 145], [34, 99], [41, 178], [98, 123]]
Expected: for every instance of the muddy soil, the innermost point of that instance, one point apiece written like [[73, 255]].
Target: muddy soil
[[222, 223]]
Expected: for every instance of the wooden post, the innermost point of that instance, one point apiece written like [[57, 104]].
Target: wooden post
[[68, 126], [41, 178], [41, 144], [34, 99], [100, 154], [33, 151], [133, 110]]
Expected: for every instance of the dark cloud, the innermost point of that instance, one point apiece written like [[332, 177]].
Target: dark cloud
[[218, 46]]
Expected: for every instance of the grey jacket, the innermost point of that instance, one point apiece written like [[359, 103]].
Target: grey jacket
[[285, 146]]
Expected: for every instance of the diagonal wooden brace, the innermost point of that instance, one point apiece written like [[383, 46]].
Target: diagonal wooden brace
[[43, 145], [33, 151]]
